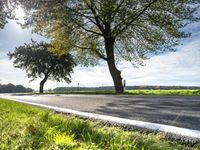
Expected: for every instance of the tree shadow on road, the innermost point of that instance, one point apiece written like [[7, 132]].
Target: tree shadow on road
[[177, 111]]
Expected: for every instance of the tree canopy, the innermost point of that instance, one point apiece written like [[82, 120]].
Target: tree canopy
[[112, 29], [7, 8], [10, 88], [39, 62], [3, 13]]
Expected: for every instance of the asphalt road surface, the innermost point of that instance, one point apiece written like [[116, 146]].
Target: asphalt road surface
[[181, 111]]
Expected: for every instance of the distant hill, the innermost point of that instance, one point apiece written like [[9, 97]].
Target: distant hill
[[11, 88], [142, 87]]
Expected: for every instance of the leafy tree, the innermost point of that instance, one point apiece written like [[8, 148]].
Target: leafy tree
[[39, 62], [3, 13], [6, 11], [112, 29], [10, 88]]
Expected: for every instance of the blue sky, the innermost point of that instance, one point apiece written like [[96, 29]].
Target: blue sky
[[175, 68]]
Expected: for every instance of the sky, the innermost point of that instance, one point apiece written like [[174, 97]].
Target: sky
[[180, 68]]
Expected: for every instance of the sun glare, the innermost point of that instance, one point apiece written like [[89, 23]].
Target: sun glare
[[19, 15]]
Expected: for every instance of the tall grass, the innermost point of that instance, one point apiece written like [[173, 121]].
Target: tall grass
[[27, 127], [164, 92]]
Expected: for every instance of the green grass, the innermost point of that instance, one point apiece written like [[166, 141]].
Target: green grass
[[137, 92], [164, 92], [28, 127]]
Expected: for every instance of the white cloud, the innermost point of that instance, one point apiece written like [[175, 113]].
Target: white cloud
[[176, 68], [95, 76]]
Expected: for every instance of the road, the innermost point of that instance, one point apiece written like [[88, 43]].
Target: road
[[181, 111]]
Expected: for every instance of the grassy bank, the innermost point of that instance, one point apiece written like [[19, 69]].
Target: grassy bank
[[27, 127], [164, 92], [137, 92]]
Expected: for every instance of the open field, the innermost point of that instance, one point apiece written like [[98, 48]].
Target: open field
[[27, 127], [137, 92]]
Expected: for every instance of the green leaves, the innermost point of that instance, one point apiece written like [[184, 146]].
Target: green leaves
[[4, 13], [138, 27], [38, 61], [7, 11]]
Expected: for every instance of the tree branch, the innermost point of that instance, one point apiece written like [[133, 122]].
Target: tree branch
[[96, 51], [97, 18], [84, 28], [116, 10], [132, 20], [90, 30], [83, 15]]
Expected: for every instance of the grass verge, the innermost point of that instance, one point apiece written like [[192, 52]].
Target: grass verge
[[164, 92], [137, 92], [27, 127]]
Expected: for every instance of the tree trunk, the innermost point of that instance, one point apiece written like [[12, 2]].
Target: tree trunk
[[42, 83], [115, 73]]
